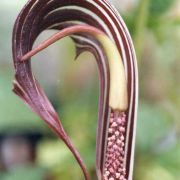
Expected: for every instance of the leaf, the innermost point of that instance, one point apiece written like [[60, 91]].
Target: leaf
[[158, 7]]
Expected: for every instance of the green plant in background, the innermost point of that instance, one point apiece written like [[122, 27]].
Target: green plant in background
[[148, 14], [102, 32], [155, 28]]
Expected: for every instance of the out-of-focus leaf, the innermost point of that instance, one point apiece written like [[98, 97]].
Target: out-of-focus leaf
[[158, 7], [171, 160], [152, 171], [130, 22], [60, 161], [28, 173], [153, 124]]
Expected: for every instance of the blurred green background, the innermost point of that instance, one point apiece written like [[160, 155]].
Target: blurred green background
[[155, 28]]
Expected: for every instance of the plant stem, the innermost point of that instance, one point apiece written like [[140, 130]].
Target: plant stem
[[141, 22]]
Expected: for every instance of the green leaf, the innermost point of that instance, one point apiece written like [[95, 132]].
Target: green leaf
[[28, 173], [158, 7], [153, 124]]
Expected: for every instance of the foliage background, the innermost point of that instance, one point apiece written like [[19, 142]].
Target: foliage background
[[155, 28]]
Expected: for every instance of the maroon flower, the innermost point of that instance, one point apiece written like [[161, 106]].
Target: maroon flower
[[94, 26]]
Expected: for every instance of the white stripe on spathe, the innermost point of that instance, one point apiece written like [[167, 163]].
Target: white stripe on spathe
[[88, 12], [133, 62], [114, 27], [100, 21]]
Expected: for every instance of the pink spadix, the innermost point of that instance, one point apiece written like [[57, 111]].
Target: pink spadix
[[114, 167]]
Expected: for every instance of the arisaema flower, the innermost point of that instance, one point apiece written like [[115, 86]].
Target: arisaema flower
[[95, 26]]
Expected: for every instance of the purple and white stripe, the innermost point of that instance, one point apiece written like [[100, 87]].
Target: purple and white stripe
[[39, 15]]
